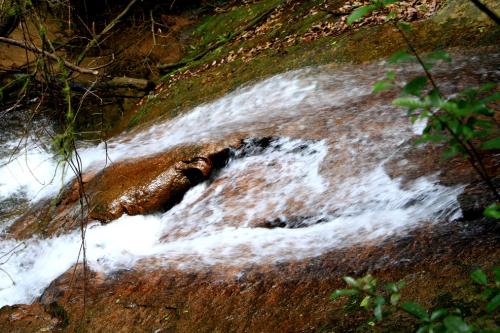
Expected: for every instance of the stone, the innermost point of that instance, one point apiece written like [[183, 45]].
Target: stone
[[143, 188]]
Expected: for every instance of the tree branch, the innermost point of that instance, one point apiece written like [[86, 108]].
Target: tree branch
[[110, 26], [31, 47], [482, 7]]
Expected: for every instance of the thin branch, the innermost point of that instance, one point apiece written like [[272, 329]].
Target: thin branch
[[110, 26], [152, 27], [482, 7], [8, 275], [31, 47], [471, 152]]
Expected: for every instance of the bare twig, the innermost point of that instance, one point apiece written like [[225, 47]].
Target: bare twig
[[31, 47], [482, 7], [10, 277], [152, 27], [110, 26]]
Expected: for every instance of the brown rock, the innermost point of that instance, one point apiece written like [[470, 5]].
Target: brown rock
[[142, 186], [286, 297], [152, 184]]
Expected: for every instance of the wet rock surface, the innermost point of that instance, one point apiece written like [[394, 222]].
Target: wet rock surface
[[289, 297], [135, 188], [267, 295], [152, 184]]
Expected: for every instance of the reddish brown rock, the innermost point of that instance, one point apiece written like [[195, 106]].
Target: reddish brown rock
[[285, 297], [152, 184], [142, 186]]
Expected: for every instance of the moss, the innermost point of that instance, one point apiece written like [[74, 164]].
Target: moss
[[56, 310], [303, 19], [309, 21], [219, 27], [141, 113]]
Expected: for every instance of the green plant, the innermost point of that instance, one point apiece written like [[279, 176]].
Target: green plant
[[386, 302], [463, 122]]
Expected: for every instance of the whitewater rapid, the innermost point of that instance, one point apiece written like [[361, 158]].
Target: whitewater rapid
[[321, 183]]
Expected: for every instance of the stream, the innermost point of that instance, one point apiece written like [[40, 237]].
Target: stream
[[321, 184]]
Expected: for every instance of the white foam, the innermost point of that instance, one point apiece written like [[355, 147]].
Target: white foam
[[334, 186], [419, 125], [214, 224], [31, 170], [273, 102], [267, 103], [262, 105]]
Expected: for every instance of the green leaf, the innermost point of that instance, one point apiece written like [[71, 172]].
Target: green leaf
[[436, 314], [365, 302], [415, 86], [415, 310], [409, 102], [484, 111], [390, 75], [432, 138], [343, 292], [491, 144], [479, 277], [452, 107], [381, 86], [405, 26], [435, 98], [351, 282], [451, 152], [438, 55], [496, 271], [487, 87], [470, 93], [492, 211], [454, 125], [483, 123], [487, 293], [456, 324], [400, 56], [468, 132], [377, 312], [392, 15], [359, 13], [392, 287], [369, 283], [388, 2], [395, 298], [423, 329], [493, 304], [379, 300]]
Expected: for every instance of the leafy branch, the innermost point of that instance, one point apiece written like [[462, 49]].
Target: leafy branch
[[441, 320], [460, 122]]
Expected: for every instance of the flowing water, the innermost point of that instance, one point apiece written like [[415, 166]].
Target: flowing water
[[321, 183]]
